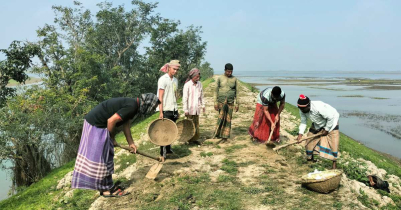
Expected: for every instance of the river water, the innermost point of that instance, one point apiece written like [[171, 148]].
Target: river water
[[369, 115]]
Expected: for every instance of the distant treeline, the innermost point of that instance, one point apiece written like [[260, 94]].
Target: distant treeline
[[84, 58]]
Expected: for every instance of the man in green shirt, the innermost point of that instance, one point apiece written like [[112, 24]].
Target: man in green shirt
[[225, 100]]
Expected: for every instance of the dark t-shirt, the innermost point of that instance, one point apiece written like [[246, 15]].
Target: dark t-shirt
[[126, 108]]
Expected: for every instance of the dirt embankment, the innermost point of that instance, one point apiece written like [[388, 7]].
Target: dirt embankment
[[239, 174]]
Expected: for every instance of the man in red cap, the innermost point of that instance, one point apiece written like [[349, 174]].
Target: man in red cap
[[324, 121]]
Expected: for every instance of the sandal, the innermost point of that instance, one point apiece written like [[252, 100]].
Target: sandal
[[115, 191]]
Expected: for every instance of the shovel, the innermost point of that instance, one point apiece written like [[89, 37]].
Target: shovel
[[155, 169], [295, 142]]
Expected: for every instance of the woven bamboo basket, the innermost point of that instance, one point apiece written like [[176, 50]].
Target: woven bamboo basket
[[323, 182], [162, 132], [186, 130]]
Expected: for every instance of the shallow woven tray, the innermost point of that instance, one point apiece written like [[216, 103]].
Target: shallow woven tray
[[162, 132], [326, 184], [186, 130]]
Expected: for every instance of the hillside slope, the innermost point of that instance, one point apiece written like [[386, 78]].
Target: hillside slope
[[239, 174]]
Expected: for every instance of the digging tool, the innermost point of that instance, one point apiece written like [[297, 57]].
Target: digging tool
[[270, 136], [160, 159], [155, 169], [295, 142]]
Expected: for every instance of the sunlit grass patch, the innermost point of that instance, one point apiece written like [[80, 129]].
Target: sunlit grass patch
[[230, 166], [39, 195], [189, 179], [231, 149], [207, 82], [124, 161], [206, 154], [225, 178], [252, 190]]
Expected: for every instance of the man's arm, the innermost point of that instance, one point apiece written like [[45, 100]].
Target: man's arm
[[302, 126], [185, 99], [202, 95], [111, 125], [267, 114], [280, 109], [161, 94], [128, 135], [216, 93]]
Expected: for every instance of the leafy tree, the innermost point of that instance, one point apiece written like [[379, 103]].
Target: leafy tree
[[84, 61], [14, 67]]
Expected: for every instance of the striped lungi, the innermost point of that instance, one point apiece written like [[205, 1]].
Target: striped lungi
[[325, 146], [94, 165], [223, 126]]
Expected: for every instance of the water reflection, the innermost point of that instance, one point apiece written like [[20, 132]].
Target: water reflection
[[371, 116]]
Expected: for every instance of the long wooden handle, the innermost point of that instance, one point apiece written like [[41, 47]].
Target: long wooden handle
[[270, 136], [141, 153], [295, 142]]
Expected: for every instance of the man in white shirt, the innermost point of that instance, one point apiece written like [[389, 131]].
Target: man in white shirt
[[167, 93], [325, 122], [192, 100]]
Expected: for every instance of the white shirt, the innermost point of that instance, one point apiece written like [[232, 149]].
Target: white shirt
[[322, 115], [169, 85], [192, 98]]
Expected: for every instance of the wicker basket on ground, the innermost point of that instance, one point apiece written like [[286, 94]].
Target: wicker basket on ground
[[162, 132], [186, 130], [322, 181]]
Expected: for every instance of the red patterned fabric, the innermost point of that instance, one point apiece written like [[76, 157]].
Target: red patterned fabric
[[260, 128]]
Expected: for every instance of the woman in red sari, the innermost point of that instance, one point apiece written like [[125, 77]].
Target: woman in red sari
[[267, 115]]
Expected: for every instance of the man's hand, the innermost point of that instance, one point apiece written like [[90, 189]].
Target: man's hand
[[236, 108], [299, 138], [256, 125], [277, 119], [216, 107], [204, 110], [133, 148], [114, 142], [273, 125], [161, 115], [324, 132]]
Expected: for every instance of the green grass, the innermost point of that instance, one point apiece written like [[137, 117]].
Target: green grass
[[225, 178], [207, 82], [197, 190], [41, 195], [231, 149], [206, 154], [124, 161], [230, 167], [44, 195], [249, 86]]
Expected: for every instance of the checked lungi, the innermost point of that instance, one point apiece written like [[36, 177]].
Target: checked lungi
[[223, 126], [325, 146], [94, 165]]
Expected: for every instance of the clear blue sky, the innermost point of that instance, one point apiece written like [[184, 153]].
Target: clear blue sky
[[346, 35]]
